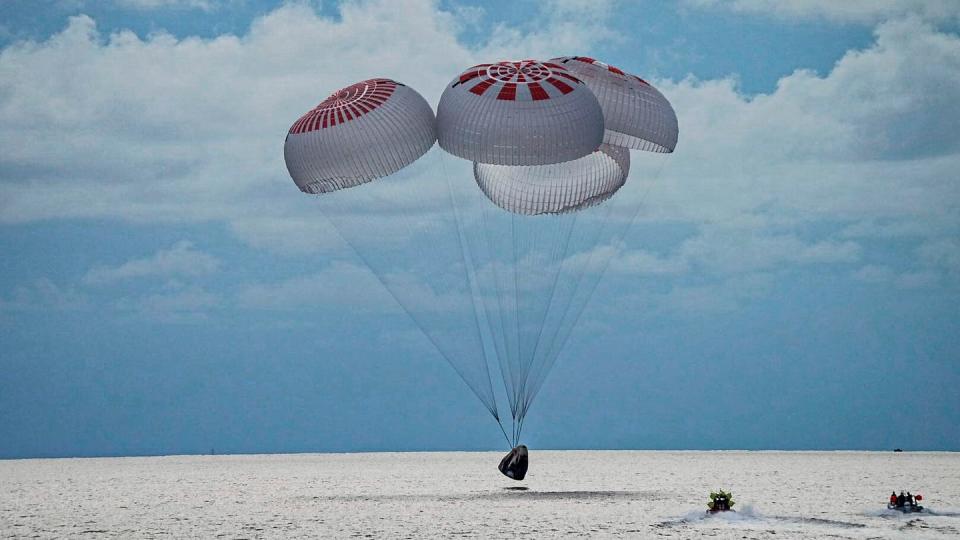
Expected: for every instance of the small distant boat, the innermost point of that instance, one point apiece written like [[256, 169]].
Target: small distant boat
[[908, 506], [898, 449], [906, 509], [716, 510], [720, 501]]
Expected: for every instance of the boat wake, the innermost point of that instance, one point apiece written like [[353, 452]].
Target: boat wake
[[927, 511], [748, 514]]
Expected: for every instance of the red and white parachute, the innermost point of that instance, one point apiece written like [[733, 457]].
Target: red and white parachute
[[365, 131], [636, 115], [518, 113], [496, 271]]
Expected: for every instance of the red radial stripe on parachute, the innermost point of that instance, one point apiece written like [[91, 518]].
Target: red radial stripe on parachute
[[507, 76], [464, 77], [508, 92], [569, 76], [482, 86], [537, 92], [354, 100], [473, 72], [611, 69], [560, 85]]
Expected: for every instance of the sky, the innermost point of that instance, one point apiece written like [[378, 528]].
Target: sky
[[791, 282]]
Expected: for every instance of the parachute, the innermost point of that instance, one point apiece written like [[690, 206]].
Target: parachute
[[636, 114], [518, 113], [365, 131], [494, 242], [558, 187]]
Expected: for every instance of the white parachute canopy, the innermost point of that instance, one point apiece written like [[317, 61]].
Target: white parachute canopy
[[558, 187], [495, 272], [636, 114], [534, 138], [518, 113], [402, 225], [365, 131]]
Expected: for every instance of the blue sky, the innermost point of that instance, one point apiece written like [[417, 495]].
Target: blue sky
[[164, 288]]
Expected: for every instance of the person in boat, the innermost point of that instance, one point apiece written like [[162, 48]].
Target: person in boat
[[911, 501], [893, 498], [901, 500], [720, 501]]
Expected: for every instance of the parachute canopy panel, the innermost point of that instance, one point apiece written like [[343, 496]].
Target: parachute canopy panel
[[519, 113], [558, 187], [637, 115], [365, 131]]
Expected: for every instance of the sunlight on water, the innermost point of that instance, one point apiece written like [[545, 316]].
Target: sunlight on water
[[416, 495]]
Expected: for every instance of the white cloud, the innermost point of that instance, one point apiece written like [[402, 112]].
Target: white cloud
[[943, 253], [182, 259], [167, 130], [728, 250], [349, 285], [162, 130], [206, 5], [44, 294], [918, 279], [859, 11], [721, 297], [893, 229], [853, 149], [884, 275], [340, 284], [690, 300], [644, 262], [176, 303]]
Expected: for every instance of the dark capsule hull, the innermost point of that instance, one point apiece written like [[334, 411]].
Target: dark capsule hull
[[514, 464]]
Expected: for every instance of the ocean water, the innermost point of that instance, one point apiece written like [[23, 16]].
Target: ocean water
[[461, 494]]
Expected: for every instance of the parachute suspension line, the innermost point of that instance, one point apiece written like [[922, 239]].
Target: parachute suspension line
[[468, 270], [549, 352], [563, 334], [514, 404], [557, 259], [618, 237], [495, 313], [499, 423], [491, 409], [561, 330], [371, 190], [498, 275]]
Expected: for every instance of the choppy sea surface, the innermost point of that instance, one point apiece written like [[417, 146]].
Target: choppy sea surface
[[461, 494]]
